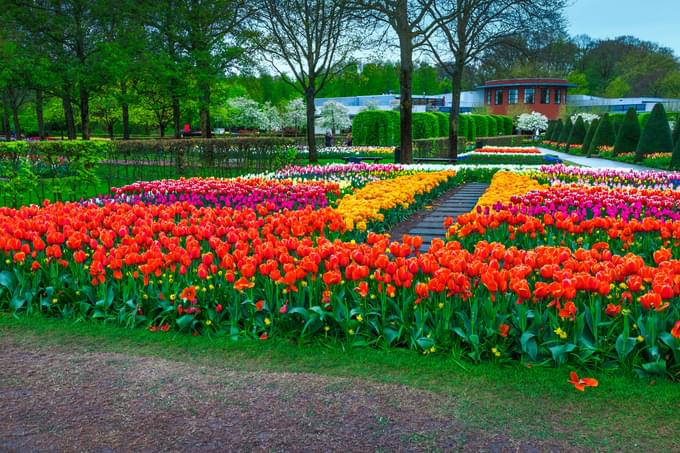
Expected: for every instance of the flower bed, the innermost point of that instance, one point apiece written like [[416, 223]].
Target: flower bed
[[506, 150], [561, 265]]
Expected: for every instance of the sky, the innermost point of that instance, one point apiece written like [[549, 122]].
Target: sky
[[650, 20]]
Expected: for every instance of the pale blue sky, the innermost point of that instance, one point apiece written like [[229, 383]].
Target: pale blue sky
[[651, 20]]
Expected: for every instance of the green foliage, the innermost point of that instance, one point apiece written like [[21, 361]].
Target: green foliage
[[508, 126], [589, 135], [676, 131], [675, 159], [629, 134], [604, 135], [425, 125], [463, 125], [656, 135], [443, 120], [493, 125], [551, 128], [557, 132], [375, 128], [644, 117], [566, 131], [578, 133]]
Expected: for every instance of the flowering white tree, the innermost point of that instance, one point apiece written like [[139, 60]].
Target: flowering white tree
[[334, 116], [371, 105], [532, 121], [270, 118], [587, 117], [245, 113], [295, 114]]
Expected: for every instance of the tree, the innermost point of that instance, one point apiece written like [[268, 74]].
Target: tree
[[578, 133], [675, 158], [557, 132], [334, 116], [407, 19], [532, 121], [468, 29], [676, 131], [295, 114], [629, 134], [312, 39], [246, 113], [588, 140], [604, 135], [656, 135], [270, 118]]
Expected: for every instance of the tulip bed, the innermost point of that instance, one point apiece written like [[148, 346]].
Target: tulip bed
[[553, 266]]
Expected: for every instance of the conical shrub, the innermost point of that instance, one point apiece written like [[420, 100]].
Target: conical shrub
[[578, 133], [604, 135], [557, 131], [629, 134], [589, 136], [675, 159], [566, 131], [549, 131], [676, 131], [656, 135]]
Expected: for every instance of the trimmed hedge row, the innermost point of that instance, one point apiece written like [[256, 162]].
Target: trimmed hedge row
[[381, 128]]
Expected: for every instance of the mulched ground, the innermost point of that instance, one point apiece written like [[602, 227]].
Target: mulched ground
[[59, 400]]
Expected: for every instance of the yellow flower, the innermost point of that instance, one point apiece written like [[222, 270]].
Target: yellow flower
[[441, 305], [561, 333], [350, 331], [326, 328], [267, 321], [208, 322], [55, 300], [360, 318], [433, 349], [173, 297], [640, 339]]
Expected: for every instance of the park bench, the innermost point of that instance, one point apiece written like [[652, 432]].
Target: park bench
[[434, 160], [359, 159]]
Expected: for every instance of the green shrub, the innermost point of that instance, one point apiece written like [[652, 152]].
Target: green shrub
[[549, 131], [643, 117], [578, 133], [425, 125], [656, 135], [471, 127], [604, 135], [508, 126], [589, 136], [375, 128], [481, 126], [443, 124], [566, 131], [557, 132], [617, 121], [463, 126], [675, 159], [676, 131], [629, 134], [493, 125]]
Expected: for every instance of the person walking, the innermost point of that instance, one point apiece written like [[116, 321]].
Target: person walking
[[329, 139]]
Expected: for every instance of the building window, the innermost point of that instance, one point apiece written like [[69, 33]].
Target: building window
[[499, 97], [513, 96], [558, 96], [488, 97], [529, 94], [545, 96]]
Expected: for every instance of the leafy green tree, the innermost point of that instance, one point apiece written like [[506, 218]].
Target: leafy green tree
[[656, 135], [629, 134]]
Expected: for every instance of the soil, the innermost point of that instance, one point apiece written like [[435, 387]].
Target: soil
[[54, 399]]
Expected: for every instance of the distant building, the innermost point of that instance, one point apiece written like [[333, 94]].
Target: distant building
[[544, 95]]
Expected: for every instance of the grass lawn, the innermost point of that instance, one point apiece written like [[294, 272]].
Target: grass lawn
[[623, 413]]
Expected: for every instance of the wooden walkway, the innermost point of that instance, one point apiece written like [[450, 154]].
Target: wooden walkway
[[461, 201]]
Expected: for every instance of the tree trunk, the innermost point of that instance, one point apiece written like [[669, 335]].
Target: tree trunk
[[161, 130], [175, 116], [311, 117], [6, 128], [456, 82], [15, 117], [204, 108], [406, 100], [84, 113], [39, 113], [68, 118], [110, 128], [126, 110]]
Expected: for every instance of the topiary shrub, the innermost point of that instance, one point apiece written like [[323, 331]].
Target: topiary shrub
[[578, 133], [375, 128], [589, 135], [643, 117], [676, 131], [463, 126], [482, 126], [393, 119], [549, 131], [492, 125], [508, 126], [566, 131], [604, 135], [557, 132], [425, 125], [443, 123], [656, 135], [675, 159], [629, 134], [471, 127]]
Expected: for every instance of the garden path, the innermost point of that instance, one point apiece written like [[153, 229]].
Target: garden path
[[431, 225], [595, 162]]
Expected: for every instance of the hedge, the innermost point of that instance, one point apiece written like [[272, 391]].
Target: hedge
[[549, 131], [557, 132], [578, 133], [443, 120], [493, 126], [463, 125], [629, 134], [566, 131], [375, 128], [425, 125], [656, 135]]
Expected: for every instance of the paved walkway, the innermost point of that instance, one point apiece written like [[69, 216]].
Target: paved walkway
[[460, 202], [595, 162]]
